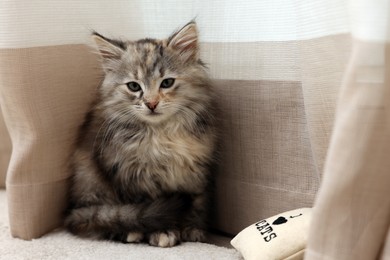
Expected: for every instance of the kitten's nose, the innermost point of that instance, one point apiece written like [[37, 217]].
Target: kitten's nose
[[152, 104]]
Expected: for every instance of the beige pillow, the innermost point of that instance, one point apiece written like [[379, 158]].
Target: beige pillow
[[282, 236]]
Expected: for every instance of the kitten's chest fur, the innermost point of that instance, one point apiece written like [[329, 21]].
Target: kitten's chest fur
[[158, 160]]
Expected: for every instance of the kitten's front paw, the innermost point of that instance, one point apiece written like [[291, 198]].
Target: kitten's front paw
[[164, 239], [193, 235], [134, 237]]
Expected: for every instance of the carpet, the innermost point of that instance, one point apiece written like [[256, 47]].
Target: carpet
[[60, 244]]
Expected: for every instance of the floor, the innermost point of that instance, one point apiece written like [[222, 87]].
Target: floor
[[62, 245]]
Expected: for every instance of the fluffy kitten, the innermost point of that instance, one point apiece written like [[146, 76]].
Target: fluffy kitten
[[141, 163]]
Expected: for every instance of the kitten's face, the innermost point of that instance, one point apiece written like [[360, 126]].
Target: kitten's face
[[154, 80]]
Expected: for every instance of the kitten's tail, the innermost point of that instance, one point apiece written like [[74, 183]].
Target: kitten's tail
[[161, 214]]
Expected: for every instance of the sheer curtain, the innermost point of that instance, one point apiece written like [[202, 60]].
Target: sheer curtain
[[5, 151], [281, 70], [352, 210]]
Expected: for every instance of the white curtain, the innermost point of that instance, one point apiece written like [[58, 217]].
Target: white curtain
[[282, 68]]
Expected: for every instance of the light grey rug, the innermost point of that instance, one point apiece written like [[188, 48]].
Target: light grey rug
[[61, 245]]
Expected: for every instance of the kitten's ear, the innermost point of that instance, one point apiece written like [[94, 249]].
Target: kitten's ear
[[108, 49], [185, 41]]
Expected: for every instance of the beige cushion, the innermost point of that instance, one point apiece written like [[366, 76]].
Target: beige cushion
[[266, 165], [266, 161], [265, 157]]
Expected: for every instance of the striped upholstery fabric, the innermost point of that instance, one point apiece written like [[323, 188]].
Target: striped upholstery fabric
[[280, 68]]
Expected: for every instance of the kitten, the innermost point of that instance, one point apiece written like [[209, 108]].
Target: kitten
[[141, 166]]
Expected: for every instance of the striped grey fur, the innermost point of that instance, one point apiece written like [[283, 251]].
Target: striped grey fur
[[141, 166]]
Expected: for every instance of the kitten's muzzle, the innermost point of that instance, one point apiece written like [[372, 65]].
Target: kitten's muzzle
[[151, 105]]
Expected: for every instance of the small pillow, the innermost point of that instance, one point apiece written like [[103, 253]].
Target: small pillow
[[283, 236]]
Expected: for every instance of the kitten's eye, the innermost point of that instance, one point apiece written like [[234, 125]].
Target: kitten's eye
[[167, 83], [133, 86]]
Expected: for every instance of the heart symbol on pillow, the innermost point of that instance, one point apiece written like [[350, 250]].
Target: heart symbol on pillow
[[279, 221]]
